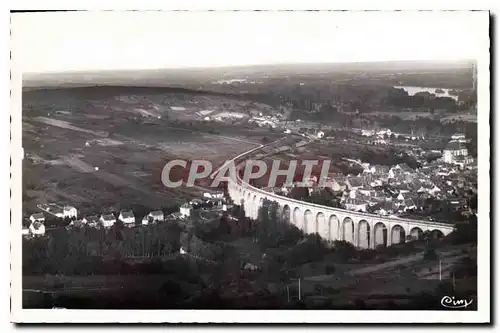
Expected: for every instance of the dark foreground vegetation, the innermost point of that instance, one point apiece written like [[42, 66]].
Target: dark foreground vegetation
[[142, 268]]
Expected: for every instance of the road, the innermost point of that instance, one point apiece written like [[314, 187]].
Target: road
[[416, 257], [243, 154]]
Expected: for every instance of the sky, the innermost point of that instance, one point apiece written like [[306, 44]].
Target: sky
[[79, 41]]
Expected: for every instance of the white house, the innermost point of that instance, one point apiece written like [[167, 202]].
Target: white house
[[401, 195], [156, 215], [70, 211], [287, 131], [38, 217], [107, 220], [186, 210], [453, 150], [320, 134], [153, 216], [367, 133], [37, 229], [127, 218], [25, 232]]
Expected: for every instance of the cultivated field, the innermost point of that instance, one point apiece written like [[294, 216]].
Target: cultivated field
[[106, 151]]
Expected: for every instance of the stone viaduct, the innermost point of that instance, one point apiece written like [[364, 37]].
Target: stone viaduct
[[364, 230]]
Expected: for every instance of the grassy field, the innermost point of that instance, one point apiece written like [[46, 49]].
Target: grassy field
[[66, 136]]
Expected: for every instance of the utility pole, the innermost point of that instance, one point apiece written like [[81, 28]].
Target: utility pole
[[299, 291], [440, 270], [288, 293]]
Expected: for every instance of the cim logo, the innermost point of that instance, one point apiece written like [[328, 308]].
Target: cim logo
[[452, 303]]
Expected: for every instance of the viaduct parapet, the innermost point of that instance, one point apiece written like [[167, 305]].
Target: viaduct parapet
[[364, 230]]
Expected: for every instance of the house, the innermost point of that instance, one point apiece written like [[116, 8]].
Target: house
[[354, 183], [365, 191], [91, 221], [107, 220], [355, 205], [452, 150], [251, 267], [383, 133], [405, 168], [380, 170], [37, 229], [152, 217], [127, 218], [400, 171], [338, 183], [386, 208], [320, 134], [77, 224], [25, 232], [378, 195], [70, 211], [217, 195], [401, 195], [409, 204], [367, 133], [435, 190], [395, 173], [186, 210], [156, 215], [38, 217], [425, 188]]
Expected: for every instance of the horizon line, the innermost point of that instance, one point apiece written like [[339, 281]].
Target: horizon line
[[201, 67]]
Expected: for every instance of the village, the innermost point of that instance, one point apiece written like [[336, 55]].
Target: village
[[444, 179], [35, 225]]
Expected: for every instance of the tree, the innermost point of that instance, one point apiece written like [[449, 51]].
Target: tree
[[430, 254]]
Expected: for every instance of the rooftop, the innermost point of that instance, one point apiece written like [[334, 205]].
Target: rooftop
[[108, 217], [156, 213], [127, 214]]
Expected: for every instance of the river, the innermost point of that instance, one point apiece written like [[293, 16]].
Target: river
[[411, 90]]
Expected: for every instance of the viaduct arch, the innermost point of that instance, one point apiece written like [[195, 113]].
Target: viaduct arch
[[364, 230]]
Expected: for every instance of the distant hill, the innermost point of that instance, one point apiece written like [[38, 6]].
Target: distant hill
[[190, 76]]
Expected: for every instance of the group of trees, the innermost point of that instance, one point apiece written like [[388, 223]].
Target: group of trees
[[389, 157], [324, 197], [76, 250]]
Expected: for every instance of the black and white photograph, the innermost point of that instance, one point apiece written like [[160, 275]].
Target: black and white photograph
[[282, 162]]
